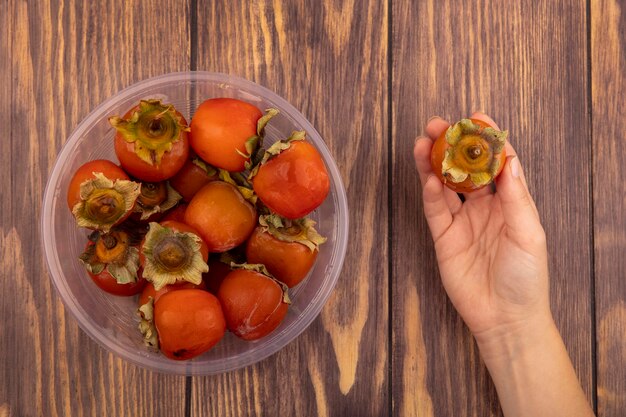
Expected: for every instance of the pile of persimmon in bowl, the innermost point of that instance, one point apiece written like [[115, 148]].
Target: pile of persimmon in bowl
[[195, 223]]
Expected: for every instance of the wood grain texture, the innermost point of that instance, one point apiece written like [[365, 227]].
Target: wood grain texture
[[59, 60], [608, 81], [524, 63], [329, 60]]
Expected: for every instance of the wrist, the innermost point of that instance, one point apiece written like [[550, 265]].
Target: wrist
[[516, 340], [531, 369]]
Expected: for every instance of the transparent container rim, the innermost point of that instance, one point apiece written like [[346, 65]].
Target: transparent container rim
[[272, 343]]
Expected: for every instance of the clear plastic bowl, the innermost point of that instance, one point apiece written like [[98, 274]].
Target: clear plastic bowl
[[111, 321]]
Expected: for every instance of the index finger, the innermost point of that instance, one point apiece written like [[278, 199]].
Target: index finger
[[435, 127], [423, 145]]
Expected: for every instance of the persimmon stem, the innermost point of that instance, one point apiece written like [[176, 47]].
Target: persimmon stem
[[171, 254], [109, 241], [155, 125], [474, 152]]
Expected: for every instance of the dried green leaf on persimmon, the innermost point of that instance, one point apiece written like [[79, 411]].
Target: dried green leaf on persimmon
[[104, 202], [156, 198], [114, 252], [242, 185], [172, 256], [299, 231], [276, 149], [254, 144], [146, 324], [261, 269], [474, 151], [153, 127]]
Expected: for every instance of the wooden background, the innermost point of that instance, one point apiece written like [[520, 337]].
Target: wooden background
[[368, 74]]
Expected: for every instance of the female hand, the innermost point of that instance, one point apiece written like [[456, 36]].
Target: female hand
[[492, 256], [491, 248]]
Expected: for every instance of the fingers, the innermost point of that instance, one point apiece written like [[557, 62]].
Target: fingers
[[510, 151], [421, 153], [474, 195], [436, 209], [483, 117], [518, 208], [435, 127]]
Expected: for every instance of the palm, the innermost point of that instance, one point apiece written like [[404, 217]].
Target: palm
[[490, 277], [491, 248]]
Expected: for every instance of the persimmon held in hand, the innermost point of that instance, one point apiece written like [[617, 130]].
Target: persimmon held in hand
[[469, 155]]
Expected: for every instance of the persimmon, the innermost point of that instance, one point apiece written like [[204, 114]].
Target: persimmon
[[154, 200], [226, 132], [173, 252], [112, 262], [193, 176], [176, 214], [254, 303], [101, 195], [188, 322], [222, 216], [288, 249], [151, 142], [469, 155], [291, 179], [149, 291]]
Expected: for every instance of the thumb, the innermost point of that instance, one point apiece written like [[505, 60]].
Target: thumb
[[518, 208]]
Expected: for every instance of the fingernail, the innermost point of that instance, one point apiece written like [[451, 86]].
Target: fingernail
[[432, 118], [516, 169]]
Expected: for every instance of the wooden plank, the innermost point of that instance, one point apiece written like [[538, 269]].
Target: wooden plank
[[329, 60], [5, 182], [608, 87], [65, 58], [525, 64]]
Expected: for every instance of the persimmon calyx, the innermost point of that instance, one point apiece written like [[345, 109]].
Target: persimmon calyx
[[114, 252], [473, 152], [261, 269], [209, 169], [153, 128], [240, 182], [146, 324], [103, 202], [156, 198], [254, 143], [172, 256], [276, 149], [299, 231], [231, 256]]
